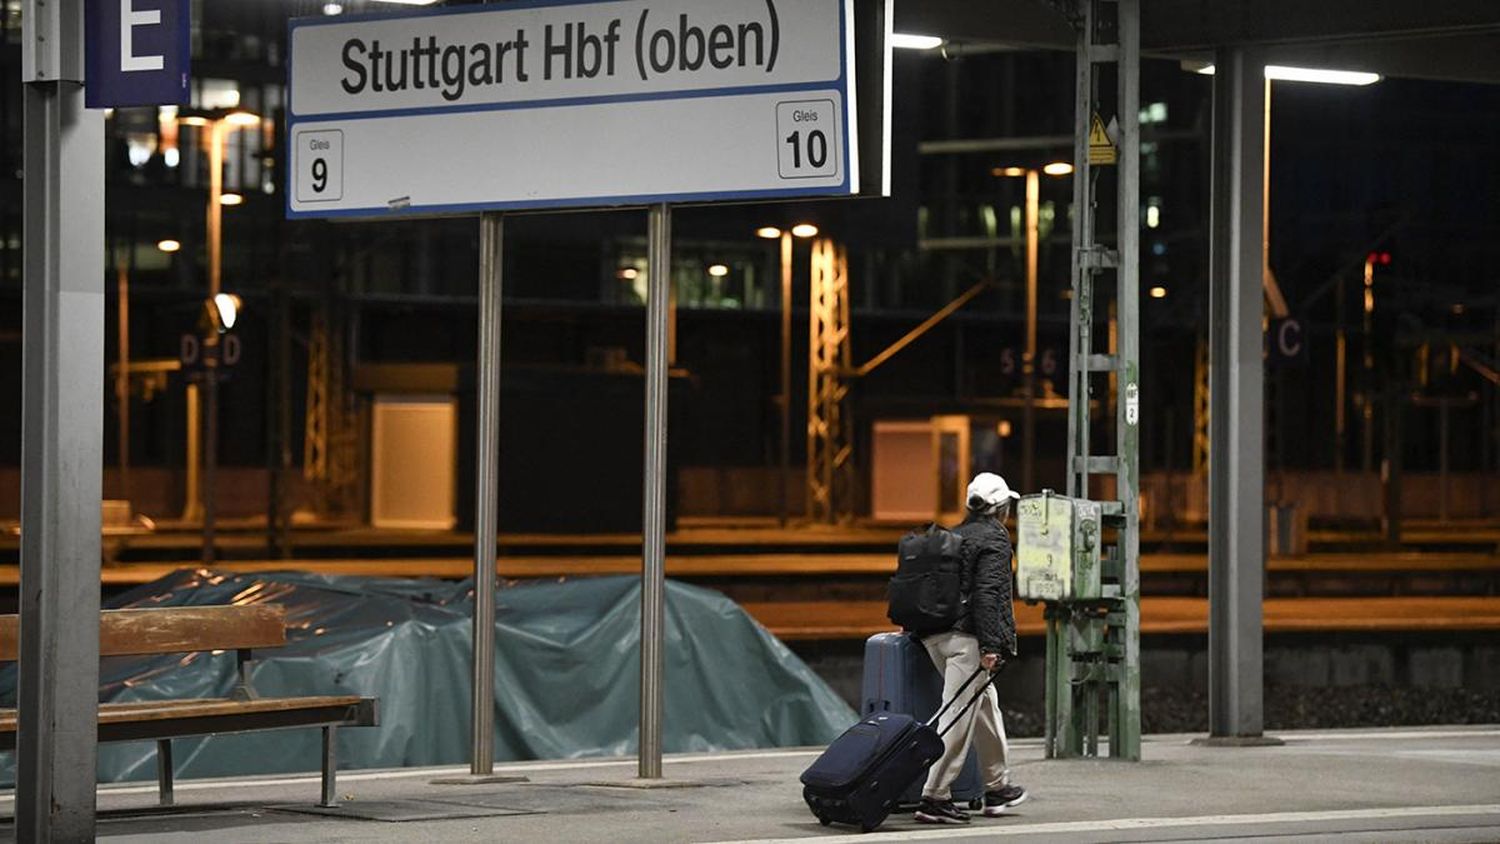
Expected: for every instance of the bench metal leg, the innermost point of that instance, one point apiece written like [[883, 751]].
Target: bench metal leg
[[330, 769], [164, 771]]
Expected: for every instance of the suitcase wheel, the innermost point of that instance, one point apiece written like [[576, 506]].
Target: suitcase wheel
[[824, 821], [976, 803]]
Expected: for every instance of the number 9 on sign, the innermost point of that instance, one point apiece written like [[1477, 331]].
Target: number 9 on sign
[[319, 172]]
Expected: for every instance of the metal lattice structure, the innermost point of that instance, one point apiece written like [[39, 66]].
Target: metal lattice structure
[[830, 440], [1200, 409], [328, 457], [1093, 646]]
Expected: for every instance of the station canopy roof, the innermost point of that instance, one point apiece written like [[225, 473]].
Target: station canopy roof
[[1457, 40]]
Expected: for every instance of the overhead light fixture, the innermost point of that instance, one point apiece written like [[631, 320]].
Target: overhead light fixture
[[168, 245], [1311, 74], [768, 232], [718, 271], [1058, 168], [1158, 293], [194, 120], [907, 41], [409, 2], [804, 230], [242, 118], [332, 9], [231, 199], [1009, 171], [628, 273]]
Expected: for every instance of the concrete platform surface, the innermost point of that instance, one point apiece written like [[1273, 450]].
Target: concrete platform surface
[[1430, 784]]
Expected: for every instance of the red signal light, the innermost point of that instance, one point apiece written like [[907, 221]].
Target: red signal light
[[1385, 258]]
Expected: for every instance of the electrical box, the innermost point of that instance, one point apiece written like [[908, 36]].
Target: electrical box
[[1057, 548]]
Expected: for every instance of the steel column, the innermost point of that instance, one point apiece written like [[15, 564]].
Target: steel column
[[653, 563], [62, 433], [786, 374], [486, 497], [1028, 358], [1236, 423], [1125, 730]]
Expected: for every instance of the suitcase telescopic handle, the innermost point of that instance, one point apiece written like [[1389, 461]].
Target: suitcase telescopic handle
[[983, 687]]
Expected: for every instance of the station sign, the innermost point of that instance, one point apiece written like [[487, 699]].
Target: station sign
[[559, 104], [137, 53]]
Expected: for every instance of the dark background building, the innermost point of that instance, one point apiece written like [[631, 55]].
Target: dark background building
[[1401, 169]]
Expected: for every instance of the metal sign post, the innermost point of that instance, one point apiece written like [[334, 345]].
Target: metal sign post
[[62, 433], [486, 496], [653, 559]]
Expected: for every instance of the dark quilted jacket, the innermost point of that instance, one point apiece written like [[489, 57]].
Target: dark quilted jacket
[[986, 585]]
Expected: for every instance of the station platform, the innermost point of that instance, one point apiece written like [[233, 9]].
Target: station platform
[[1434, 784]]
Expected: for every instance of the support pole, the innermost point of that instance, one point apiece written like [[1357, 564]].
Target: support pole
[[62, 436], [1125, 731], [122, 379], [786, 375], [1028, 358], [217, 132], [653, 563], [486, 496], [1236, 467]]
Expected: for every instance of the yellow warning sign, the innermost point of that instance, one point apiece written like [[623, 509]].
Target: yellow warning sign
[[1101, 148]]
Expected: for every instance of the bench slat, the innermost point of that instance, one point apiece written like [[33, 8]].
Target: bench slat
[[166, 630], [160, 710], [171, 718]]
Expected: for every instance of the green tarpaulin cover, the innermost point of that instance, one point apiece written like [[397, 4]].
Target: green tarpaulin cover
[[567, 675]]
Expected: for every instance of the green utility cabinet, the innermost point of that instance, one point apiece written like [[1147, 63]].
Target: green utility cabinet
[[1057, 548]]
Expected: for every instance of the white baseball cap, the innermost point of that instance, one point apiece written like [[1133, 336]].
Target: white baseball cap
[[991, 489]]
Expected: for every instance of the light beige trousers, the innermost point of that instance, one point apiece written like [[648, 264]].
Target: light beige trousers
[[956, 656]]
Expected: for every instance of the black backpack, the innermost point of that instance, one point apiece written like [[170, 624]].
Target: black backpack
[[926, 595]]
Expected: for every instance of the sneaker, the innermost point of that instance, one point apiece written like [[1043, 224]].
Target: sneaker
[[940, 811], [996, 802]]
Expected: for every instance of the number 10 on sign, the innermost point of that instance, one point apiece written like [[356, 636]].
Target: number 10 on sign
[[809, 133], [319, 163]]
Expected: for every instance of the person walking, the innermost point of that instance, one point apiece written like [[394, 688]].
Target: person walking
[[983, 636]]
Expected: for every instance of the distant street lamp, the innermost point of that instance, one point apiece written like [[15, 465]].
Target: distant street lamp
[[1028, 358], [220, 123], [802, 230]]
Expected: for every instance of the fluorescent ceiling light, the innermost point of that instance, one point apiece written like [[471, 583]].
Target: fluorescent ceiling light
[[1311, 74], [906, 41], [804, 230], [1058, 168], [168, 245], [718, 271], [768, 232]]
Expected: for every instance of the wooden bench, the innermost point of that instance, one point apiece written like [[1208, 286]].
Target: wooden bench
[[189, 629]]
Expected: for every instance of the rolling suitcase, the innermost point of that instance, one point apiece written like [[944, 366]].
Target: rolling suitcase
[[861, 776], [899, 677]]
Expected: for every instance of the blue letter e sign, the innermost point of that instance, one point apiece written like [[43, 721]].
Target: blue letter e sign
[[137, 53]]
